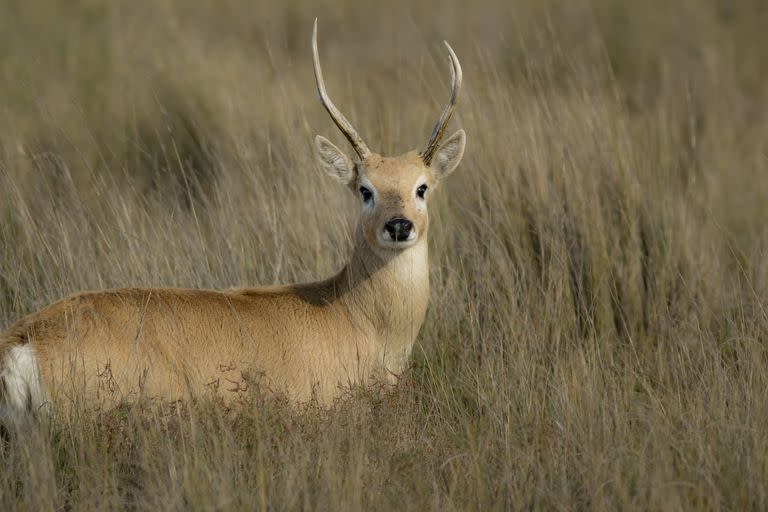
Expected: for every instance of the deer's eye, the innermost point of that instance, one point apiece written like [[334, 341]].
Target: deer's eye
[[366, 193], [422, 191]]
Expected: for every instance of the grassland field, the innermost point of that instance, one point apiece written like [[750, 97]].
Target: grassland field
[[597, 336]]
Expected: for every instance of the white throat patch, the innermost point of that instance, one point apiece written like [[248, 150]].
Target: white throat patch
[[410, 266]]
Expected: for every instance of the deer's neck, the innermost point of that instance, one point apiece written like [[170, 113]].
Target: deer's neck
[[386, 294]]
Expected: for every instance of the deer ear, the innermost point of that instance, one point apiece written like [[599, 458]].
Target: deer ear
[[333, 160], [449, 154]]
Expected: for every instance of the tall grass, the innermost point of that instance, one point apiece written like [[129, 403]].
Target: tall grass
[[598, 328]]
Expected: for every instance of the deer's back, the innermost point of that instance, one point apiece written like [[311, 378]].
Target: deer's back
[[118, 344]]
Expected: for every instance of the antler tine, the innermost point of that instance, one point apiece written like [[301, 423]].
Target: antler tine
[[439, 130], [344, 125]]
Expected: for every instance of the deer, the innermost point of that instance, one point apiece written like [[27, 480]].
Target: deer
[[308, 341]]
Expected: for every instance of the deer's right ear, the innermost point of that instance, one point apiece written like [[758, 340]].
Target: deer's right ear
[[334, 161]]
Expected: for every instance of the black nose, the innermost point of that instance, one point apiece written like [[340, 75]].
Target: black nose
[[399, 229]]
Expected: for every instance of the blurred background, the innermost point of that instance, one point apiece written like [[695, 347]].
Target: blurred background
[[597, 326], [169, 103]]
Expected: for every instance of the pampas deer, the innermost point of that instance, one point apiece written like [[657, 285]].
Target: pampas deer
[[303, 340]]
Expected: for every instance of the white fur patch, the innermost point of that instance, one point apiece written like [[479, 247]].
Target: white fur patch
[[410, 266], [21, 380]]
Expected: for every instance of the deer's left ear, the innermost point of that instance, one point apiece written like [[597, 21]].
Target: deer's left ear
[[449, 154]]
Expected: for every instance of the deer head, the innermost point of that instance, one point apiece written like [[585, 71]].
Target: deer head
[[393, 191]]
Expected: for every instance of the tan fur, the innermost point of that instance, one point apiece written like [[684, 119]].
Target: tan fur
[[304, 340]]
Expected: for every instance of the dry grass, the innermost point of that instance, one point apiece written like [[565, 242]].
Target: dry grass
[[598, 328]]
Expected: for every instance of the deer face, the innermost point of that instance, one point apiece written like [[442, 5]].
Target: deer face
[[393, 191], [393, 196]]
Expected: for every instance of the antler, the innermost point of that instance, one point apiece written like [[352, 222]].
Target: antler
[[439, 130], [338, 118]]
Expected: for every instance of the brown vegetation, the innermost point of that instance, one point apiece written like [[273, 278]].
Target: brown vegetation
[[597, 329]]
